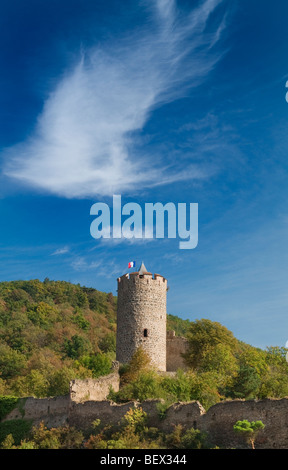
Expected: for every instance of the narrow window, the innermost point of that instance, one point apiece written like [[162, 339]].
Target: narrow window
[[145, 333]]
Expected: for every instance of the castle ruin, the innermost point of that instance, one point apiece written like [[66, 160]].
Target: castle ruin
[[141, 321], [141, 316]]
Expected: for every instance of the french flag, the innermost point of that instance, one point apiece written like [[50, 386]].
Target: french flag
[[132, 264]]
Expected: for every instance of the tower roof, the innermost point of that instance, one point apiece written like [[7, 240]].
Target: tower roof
[[143, 269]]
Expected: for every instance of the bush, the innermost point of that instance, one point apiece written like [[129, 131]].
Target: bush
[[18, 428], [12, 361], [64, 437], [132, 434], [81, 321], [146, 385], [76, 347], [139, 363], [7, 404], [40, 437], [189, 439], [248, 430], [193, 439], [43, 314], [108, 343], [99, 364]]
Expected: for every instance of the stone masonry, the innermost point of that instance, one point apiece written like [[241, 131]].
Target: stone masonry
[[141, 317], [94, 389], [217, 422], [176, 346]]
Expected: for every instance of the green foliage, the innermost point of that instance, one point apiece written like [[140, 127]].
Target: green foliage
[[45, 330], [102, 302], [132, 433], [7, 404], [139, 363], [3, 387], [63, 437], [76, 347], [81, 321], [162, 407], [12, 361], [59, 380], [185, 386], [40, 437], [249, 430], [108, 343], [180, 326], [53, 331], [8, 442], [42, 314], [246, 384], [189, 439], [233, 369], [178, 388], [194, 439], [211, 347], [18, 428], [145, 385], [99, 364], [274, 382], [135, 419], [248, 427]]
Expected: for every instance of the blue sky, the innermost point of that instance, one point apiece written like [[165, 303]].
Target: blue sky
[[157, 101]]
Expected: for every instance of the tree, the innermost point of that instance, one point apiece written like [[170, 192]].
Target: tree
[[210, 341], [76, 346], [249, 430], [275, 381], [140, 362], [42, 314], [99, 364], [108, 343], [12, 361], [212, 349], [246, 384]]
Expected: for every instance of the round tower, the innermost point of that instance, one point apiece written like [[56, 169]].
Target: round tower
[[141, 316]]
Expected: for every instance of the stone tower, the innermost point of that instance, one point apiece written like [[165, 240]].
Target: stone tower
[[141, 316]]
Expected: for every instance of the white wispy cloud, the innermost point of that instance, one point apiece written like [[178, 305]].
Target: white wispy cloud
[[107, 269], [83, 143], [61, 251], [81, 264]]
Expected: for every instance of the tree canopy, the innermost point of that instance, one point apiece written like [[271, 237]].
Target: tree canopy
[[53, 331]]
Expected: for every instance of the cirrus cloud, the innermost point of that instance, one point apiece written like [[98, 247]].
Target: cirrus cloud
[[83, 142]]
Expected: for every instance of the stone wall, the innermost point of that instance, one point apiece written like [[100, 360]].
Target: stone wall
[[94, 389], [141, 317], [220, 418], [53, 412], [175, 347], [82, 415], [217, 422]]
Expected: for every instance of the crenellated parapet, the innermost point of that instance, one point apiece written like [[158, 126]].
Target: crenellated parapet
[[141, 316]]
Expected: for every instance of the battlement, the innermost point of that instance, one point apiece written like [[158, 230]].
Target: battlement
[[141, 316], [132, 277]]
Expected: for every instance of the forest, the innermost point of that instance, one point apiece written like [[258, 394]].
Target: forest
[[53, 331]]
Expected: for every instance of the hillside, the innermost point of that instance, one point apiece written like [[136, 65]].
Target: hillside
[[53, 331]]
